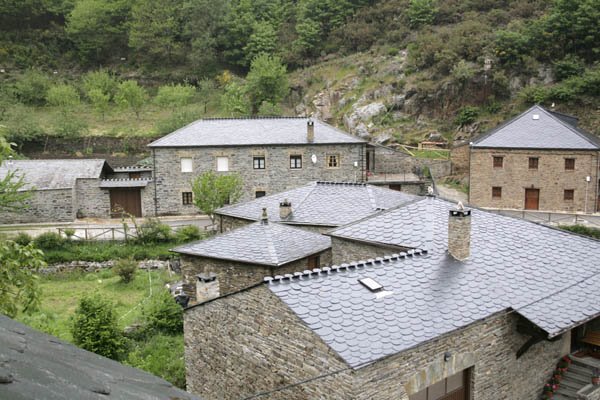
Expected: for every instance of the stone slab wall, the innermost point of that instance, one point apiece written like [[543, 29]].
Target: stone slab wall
[[459, 159], [345, 251], [276, 177], [92, 201], [147, 197], [55, 205], [237, 346], [418, 188], [226, 223], [389, 161], [550, 178], [234, 276]]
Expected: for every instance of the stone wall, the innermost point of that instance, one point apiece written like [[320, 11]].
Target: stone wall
[[93, 266], [550, 178], [459, 159], [55, 205], [390, 161], [234, 276], [226, 223], [418, 188], [92, 201], [276, 177], [233, 354], [345, 251]]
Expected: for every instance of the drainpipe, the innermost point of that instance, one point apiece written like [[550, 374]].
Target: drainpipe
[[154, 172]]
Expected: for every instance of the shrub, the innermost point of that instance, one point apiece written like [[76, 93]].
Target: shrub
[[101, 81], [188, 233], [467, 115], [162, 356], [154, 231], [421, 12], [176, 121], [69, 126], [569, 66], [95, 328], [49, 240], [174, 96], [31, 89], [583, 230], [23, 239], [126, 269], [163, 315], [69, 233]]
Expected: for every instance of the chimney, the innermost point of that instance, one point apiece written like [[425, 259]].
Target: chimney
[[310, 131], [207, 287], [459, 233], [264, 219], [285, 209]]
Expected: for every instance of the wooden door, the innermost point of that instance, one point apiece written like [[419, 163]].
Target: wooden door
[[125, 200], [532, 199]]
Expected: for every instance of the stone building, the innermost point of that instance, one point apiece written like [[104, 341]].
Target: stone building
[[539, 160], [242, 257], [270, 154], [63, 190], [317, 206], [481, 306]]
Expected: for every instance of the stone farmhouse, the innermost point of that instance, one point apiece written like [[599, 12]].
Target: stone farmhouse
[[39, 366], [539, 160], [479, 306], [270, 154], [62, 190]]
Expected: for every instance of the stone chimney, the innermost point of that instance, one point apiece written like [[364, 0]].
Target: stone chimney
[[310, 131], [459, 233], [207, 287], [285, 209], [264, 218]]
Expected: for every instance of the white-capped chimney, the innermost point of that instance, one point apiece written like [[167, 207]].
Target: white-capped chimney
[[459, 232], [310, 131], [285, 209], [264, 218], [207, 287]]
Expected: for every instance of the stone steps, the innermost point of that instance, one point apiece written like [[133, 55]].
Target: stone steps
[[577, 376]]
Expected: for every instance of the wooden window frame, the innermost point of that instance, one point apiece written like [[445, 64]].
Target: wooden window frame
[[331, 159], [295, 158], [256, 162], [187, 198], [496, 192], [313, 261], [498, 162], [256, 192], [570, 164], [534, 163], [569, 195]]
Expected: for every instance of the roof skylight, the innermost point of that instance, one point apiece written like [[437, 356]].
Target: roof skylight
[[371, 284]]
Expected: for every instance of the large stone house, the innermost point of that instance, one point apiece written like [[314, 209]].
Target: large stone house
[[62, 190], [480, 306], [539, 160], [270, 154]]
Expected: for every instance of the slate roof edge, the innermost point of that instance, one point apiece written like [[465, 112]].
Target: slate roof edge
[[396, 247], [245, 289], [536, 148], [254, 144]]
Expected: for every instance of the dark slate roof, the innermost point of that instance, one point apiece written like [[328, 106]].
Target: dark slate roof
[[125, 183], [54, 174], [550, 131], [514, 264], [269, 244], [322, 203], [252, 131], [40, 366]]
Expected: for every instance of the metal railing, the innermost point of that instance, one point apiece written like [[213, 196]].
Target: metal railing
[[550, 218]]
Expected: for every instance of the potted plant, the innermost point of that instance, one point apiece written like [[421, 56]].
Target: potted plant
[[595, 376]]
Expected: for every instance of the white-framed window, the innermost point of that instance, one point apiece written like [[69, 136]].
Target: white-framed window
[[258, 162], [295, 161], [186, 164], [222, 164]]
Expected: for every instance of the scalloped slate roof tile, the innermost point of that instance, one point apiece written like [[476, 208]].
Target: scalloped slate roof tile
[[34, 365], [267, 244], [253, 131], [322, 203], [514, 264], [549, 131]]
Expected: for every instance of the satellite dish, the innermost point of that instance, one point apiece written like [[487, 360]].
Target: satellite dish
[[313, 158]]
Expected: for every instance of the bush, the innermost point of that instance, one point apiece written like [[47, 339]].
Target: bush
[[569, 66], [31, 89], [23, 239], [69, 126], [188, 233], [126, 269], [583, 230], [154, 231], [163, 315], [69, 233], [176, 121], [467, 115], [95, 328], [162, 356], [49, 240]]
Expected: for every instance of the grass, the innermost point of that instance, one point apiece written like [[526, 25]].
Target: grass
[[61, 294], [107, 250], [456, 184]]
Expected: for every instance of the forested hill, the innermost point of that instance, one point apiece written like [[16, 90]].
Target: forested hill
[[392, 69]]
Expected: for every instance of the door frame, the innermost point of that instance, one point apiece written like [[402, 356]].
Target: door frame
[[531, 190]]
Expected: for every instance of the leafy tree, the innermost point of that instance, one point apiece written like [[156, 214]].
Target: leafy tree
[[174, 96], [32, 87], [309, 37], [511, 46], [19, 290], [262, 40], [63, 96], [206, 87], [95, 328], [131, 95], [234, 99], [421, 12], [267, 109], [101, 81], [212, 191], [100, 101], [267, 81], [12, 185]]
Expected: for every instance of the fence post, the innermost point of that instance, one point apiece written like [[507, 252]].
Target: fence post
[[86, 233], [113, 233]]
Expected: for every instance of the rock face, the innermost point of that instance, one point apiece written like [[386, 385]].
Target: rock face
[[356, 122]]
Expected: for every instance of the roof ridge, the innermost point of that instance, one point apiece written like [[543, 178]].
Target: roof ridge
[[342, 267], [251, 117], [270, 245], [372, 198], [312, 189], [341, 183]]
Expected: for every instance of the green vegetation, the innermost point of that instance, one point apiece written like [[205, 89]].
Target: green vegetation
[[125, 268], [582, 230], [212, 191]]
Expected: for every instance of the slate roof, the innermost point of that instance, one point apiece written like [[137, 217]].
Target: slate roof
[[124, 183], [269, 244], [54, 174], [514, 265], [252, 131], [34, 365], [550, 131], [322, 203]]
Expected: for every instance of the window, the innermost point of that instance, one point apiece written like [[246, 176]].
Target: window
[[333, 161], [135, 175], [314, 261], [186, 164], [260, 193], [533, 162], [453, 387], [258, 162], [295, 161], [498, 161], [569, 195], [496, 192], [569, 164], [186, 198], [222, 164]]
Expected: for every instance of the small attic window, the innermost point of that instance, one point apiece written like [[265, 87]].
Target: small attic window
[[536, 116], [371, 284]]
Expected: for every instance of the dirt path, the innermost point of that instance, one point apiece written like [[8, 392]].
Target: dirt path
[[451, 194]]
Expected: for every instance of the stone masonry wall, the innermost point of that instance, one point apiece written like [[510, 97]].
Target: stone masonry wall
[[459, 158], [92, 201], [389, 161], [234, 276], [276, 177], [226, 223], [345, 251], [250, 342], [550, 178], [43, 206]]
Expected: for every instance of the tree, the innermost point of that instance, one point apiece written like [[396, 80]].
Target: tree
[[421, 12], [212, 191], [131, 95], [234, 99], [100, 101], [262, 40], [63, 96], [95, 328], [19, 290], [206, 87], [266, 81], [32, 87], [12, 185], [174, 96], [99, 80]]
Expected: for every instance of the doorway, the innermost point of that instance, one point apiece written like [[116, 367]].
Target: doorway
[[532, 199], [125, 200]]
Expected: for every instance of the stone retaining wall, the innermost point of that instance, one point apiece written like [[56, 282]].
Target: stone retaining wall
[[54, 205], [93, 266]]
